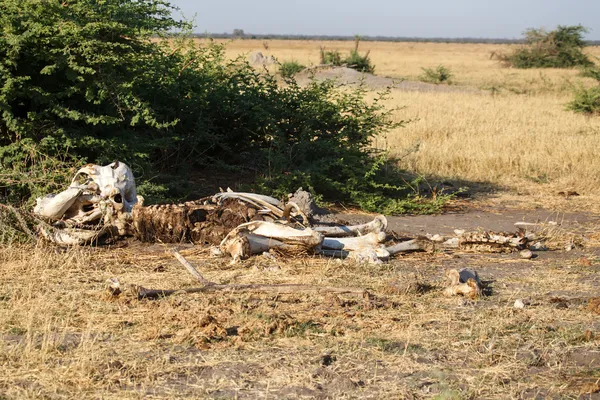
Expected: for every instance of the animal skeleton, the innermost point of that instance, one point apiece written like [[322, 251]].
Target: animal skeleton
[[102, 200]]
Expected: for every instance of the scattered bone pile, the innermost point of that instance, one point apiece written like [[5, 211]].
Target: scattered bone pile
[[101, 202]]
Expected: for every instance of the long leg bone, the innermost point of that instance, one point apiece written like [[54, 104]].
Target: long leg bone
[[410, 245], [259, 236], [379, 224], [306, 237], [370, 240]]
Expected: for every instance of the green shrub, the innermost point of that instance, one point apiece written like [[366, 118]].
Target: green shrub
[[81, 81], [290, 68], [560, 48], [586, 100], [331, 57], [592, 72], [359, 62], [437, 75]]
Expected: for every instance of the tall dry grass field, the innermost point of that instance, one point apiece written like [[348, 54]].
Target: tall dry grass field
[[515, 133]]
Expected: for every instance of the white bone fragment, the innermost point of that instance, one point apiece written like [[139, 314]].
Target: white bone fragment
[[379, 224], [370, 240], [452, 242], [409, 245], [465, 282], [55, 206], [71, 236]]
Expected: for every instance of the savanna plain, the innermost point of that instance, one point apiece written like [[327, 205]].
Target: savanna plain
[[502, 134]]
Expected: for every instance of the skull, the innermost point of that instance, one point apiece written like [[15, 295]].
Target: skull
[[113, 182], [99, 198]]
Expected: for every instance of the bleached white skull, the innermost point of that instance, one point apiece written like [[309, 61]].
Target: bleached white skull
[[112, 182], [99, 198]]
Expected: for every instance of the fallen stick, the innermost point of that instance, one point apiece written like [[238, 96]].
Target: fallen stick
[[143, 293], [191, 269]]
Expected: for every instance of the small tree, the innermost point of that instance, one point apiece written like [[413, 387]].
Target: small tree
[[238, 33], [560, 48]]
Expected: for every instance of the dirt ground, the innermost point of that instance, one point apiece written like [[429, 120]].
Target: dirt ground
[[351, 77], [62, 336]]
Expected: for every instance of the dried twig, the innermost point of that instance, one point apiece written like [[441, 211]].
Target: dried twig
[[191, 269]]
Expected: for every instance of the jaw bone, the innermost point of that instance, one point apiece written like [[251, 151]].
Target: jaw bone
[[72, 236]]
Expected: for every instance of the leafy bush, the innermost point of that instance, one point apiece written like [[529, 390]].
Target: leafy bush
[[438, 75], [290, 68], [560, 48], [80, 81], [359, 62], [586, 100]]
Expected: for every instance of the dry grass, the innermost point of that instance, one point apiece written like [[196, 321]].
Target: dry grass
[[62, 337], [515, 135]]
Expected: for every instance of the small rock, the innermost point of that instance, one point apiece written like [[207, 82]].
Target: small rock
[[519, 303], [459, 232], [526, 254], [538, 246]]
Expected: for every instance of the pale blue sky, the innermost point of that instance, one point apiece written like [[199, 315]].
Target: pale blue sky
[[421, 18]]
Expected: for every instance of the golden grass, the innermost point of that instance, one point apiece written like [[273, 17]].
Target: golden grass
[[62, 337], [516, 134]]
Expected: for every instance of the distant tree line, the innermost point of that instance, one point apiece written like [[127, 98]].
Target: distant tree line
[[239, 33]]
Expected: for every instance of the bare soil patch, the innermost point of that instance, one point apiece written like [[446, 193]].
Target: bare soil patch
[[351, 77]]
